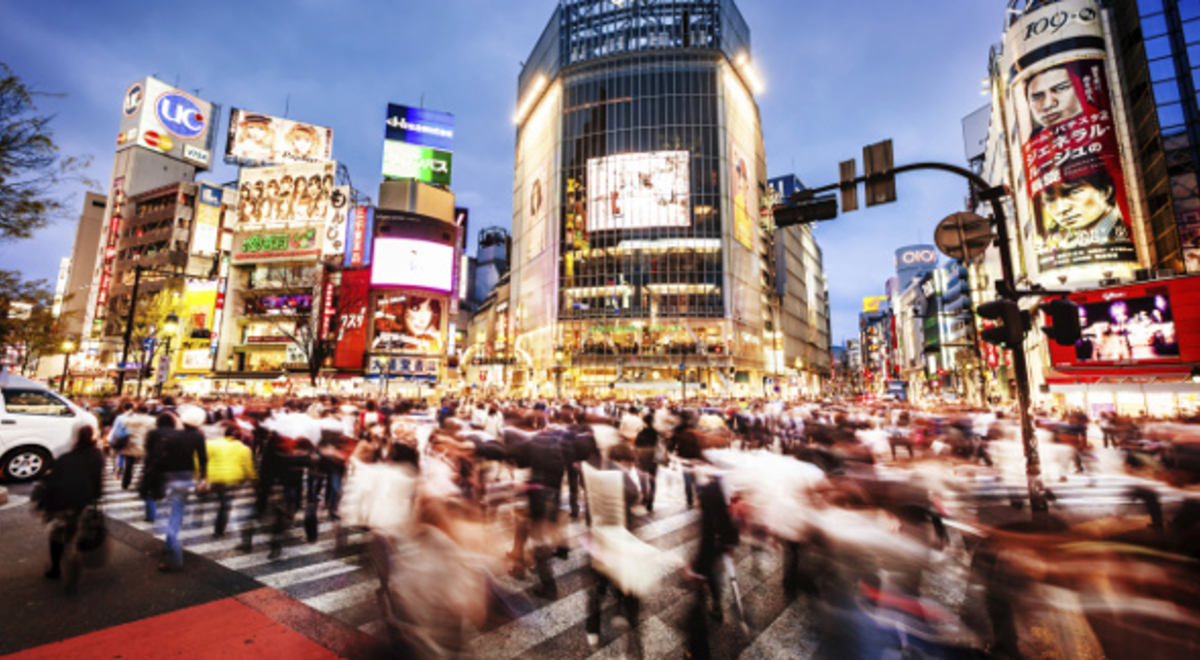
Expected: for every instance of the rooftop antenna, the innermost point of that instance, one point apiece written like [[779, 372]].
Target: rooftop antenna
[[422, 100], [176, 80], [287, 104]]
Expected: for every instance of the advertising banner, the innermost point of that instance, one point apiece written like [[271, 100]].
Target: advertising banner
[[408, 324], [358, 237], [194, 360], [400, 367], [296, 193], [409, 161], [208, 220], [872, 304], [1059, 94], [418, 144], [266, 246], [419, 126], [639, 190], [166, 120], [537, 205], [260, 139], [745, 209], [413, 263], [352, 329], [1151, 324]]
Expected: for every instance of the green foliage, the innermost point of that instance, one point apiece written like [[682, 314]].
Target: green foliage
[[32, 171]]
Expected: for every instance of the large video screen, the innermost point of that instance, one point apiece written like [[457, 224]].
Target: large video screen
[[1128, 329], [413, 263], [636, 191]]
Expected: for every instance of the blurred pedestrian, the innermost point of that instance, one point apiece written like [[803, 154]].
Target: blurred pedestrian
[[70, 487], [180, 457], [230, 464]]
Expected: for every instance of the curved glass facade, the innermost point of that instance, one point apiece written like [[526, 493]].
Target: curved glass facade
[[641, 252]]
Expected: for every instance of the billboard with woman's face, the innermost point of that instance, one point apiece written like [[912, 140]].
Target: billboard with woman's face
[[1057, 91], [408, 324]]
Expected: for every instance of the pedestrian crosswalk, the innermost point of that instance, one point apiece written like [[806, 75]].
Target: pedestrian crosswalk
[[334, 575]]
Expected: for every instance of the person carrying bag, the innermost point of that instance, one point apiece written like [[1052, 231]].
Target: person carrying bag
[[69, 502]]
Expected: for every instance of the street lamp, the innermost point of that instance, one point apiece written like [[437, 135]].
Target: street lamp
[[170, 326], [229, 362], [68, 347]]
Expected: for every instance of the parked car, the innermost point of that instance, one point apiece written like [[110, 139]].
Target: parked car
[[37, 425]]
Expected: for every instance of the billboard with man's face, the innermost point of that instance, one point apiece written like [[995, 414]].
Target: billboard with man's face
[[1058, 92]]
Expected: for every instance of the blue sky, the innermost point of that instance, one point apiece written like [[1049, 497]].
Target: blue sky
[[838, 75]]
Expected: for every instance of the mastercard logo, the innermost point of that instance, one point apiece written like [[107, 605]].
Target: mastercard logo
[[157, 140]]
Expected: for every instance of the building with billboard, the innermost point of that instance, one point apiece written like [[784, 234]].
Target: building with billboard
[[644, 260], [1091, 126], [165, 137]]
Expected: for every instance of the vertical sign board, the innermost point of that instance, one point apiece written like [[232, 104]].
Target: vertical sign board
[[358, 237], [418, 144], [1056, 88], [208, 220], [352, 330]]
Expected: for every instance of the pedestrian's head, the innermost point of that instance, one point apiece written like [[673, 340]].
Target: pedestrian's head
[[85, 437], [165, 421], [193, 416]]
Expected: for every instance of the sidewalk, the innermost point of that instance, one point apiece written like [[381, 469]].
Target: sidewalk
[[129, 610]]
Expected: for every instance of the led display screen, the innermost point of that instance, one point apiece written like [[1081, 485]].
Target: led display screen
[[636, 191], [1126, 329], [412, 263]]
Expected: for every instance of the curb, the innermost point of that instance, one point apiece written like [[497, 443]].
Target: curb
[[3, 496]]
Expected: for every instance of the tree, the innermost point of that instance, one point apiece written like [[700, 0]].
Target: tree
[[32, 171], [148, 321], [23, 305]]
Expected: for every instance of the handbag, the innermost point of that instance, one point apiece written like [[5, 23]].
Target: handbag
[[92, 541]]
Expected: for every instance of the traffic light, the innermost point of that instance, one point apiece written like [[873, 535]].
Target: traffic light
[[877, 164], [1064, 326], [805, 211], [1011, 323]]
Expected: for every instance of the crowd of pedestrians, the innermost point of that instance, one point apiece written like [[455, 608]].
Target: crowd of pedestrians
[[864, 506]]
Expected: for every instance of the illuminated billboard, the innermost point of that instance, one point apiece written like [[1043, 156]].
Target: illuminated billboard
[[265, 140], [1132, 325], [741, 179], [296, 193], [208, 220], [411, 324], [872, 304], [1060, 96], [413, 263], [418, 144], [166, 120], [640, 190]]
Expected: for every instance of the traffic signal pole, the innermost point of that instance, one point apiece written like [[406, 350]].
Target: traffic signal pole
[[1007, 290]]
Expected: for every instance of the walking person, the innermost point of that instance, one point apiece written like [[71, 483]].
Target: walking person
[[136, 424], [180, 457], [230, 464], [151, 488], [72, 485], [646, 447]]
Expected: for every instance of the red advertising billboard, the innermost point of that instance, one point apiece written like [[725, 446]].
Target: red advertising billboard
[[1151, 324], [352, 329]]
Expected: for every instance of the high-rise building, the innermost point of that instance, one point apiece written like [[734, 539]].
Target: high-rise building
[[1159, 46], [643, 256], [83, 261]]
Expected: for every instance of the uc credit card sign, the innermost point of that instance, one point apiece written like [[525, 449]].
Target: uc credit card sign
[[424, 128]]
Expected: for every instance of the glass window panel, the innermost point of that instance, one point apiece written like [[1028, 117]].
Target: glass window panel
[[1170, 115], [1162, 70], [1166, 92], [1158, 47], [1154, 26], [1149, 6], [1189, 9], [1191, 31]]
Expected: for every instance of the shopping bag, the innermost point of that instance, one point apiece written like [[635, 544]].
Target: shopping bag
[[92, 541]]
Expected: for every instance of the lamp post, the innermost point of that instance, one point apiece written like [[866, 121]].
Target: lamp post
[[68, 347], [229, 362], [170, 326]]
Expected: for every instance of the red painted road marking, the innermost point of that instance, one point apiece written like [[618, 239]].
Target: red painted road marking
[[225, 628]]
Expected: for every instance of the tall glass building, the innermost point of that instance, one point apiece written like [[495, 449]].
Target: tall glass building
[[1159, 46], [644, 260]]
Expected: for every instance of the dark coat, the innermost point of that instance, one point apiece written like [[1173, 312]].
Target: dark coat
[[75, 481]]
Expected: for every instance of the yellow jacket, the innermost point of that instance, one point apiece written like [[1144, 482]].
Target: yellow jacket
[[229, 462]]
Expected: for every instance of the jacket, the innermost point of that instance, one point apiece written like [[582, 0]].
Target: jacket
[[176, 450], [75, 481], [137, 426], [229, 462]]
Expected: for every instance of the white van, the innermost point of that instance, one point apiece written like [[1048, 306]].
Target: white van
[[37, 425]]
